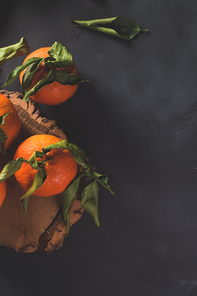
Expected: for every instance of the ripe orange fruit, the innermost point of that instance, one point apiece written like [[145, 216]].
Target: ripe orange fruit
[[54, 93], [60, 171], [12, 123], [3, 192]]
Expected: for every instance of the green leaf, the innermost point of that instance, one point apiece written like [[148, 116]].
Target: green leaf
[[29, 74], [68, 78], [3, 136], [61, 54], [119, 26], [69, 195], [102, 180], [33, 159], [12, 75], [78, 155], [49, 78], [11, 167], [2, 118], [89, 201], [39, 179], [76, 152], [59, 57], [14, 50]]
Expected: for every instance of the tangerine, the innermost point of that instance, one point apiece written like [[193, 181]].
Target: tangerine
[[61, 170], [3, 192], [54, 93], [12, 122]]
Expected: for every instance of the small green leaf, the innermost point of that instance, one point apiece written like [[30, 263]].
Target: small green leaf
[[68, 78], [64, 144], [39, 179], [13, 51], [69, 195], [2, 118], [33, 159], [3, 136], [19, 69], [76, 152], [61, 54], [29, 74], [101, 178], [78, 155], [11, 167], [89, 201], [49, 78], [119, 26]]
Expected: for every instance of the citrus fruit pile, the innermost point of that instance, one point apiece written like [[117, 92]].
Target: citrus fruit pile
[[45, 165]]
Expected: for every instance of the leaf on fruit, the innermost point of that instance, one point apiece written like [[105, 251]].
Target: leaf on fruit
[[15, 50], [39, 179], [33, 159], [3, 136], [61, 54], [29, 74], [76, 152], [119, 26], [11, 167], [64, 78], [19, 69], [49, 78]]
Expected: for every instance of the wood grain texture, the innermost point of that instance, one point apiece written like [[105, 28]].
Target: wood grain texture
[[42, 228]]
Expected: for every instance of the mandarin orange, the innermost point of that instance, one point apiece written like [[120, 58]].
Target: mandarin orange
[[61, 170], [12, 123], [54, 93]]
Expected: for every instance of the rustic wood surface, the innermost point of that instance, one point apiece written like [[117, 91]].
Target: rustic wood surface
[[42, 228]]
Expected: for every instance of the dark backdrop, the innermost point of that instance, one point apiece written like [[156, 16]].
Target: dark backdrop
[[137, 117]]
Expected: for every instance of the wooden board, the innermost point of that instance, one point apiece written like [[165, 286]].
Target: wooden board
[[42, 228]]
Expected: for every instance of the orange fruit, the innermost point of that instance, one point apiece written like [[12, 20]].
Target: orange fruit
[[12, 123], [60, 171], [54, 93], [3, 192]]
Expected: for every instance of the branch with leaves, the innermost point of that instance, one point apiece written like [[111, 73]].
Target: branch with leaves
[[59, 66], [89, 199]]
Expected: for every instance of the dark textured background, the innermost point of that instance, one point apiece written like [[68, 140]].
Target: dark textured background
[[137, 117]]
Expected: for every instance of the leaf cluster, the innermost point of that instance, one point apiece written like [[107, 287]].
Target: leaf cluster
[[89, 199], [58, 66]]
